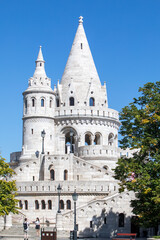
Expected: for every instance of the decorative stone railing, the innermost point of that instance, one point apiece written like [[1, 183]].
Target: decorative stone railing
[[68, 187], [87, 111], [97, 150]]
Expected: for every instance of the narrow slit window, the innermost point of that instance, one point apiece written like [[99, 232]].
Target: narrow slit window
[[42, 102], [81, 46], [33, 103]]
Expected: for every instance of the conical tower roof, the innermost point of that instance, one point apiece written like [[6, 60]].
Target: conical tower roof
[[80, 66], [40, 69]]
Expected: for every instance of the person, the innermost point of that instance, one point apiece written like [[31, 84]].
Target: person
[[25, 228], [37, 227]]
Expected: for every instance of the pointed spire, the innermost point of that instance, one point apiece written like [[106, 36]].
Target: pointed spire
[[80, 65], [40, 55], [40, 70]]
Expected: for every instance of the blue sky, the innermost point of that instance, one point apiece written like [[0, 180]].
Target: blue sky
[[124, 37]]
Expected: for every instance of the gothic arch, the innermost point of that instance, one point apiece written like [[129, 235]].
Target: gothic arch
[[88, 138], [98, 138], [110, 139], [26, 205], [68, 203], [92, 101], [71, 101], [52, 174], [70, 141], [43, 205], [36, 204], [65, 175], [61, 204], [33, 101], [49, 204]]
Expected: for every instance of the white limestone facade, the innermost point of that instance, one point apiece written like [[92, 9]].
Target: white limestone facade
[[80, 149]]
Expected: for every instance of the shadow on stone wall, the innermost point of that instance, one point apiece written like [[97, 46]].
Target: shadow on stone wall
[[105, 225]]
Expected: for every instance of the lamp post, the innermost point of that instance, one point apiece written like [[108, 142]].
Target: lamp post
[[43, 133], [75, 197], [71, 136], [59, 192]]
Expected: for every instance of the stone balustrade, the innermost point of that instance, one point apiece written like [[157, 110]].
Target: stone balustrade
[[97, 150], [86, 111], [68, 187]]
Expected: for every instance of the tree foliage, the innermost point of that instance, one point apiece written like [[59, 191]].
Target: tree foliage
[[141, 173], [8, 189]]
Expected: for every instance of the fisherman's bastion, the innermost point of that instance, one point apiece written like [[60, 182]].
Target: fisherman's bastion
[[70, 140]]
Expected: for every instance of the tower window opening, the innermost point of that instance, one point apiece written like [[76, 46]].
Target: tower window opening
[[32, 130], [26, 204], [97, 140], [40, 64], [33, 178], [91, 102], [49, 204], [65, 175], [42, 102], [105, 220], [87, 139], [81, 46], [68, 204], [20, 204], [57, 102], [43, 205], [33, 102], [61, 204], [36, 204], [110, 139], [52, 175], [50, 103], [71, 101]]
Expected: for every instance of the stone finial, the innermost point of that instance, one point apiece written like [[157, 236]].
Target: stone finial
[[80, 19]]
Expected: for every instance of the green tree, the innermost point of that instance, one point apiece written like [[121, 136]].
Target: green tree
[[140, 130], [8, 189]]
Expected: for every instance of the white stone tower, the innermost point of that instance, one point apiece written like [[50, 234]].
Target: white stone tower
[[38, 112], [80, 149]]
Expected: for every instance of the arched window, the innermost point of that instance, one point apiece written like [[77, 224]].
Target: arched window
[[52, 174], [110, 139], [50, 103], [121, 220], [49, 204], [33, 102], [57, 102], [61, 204], [87, 139], [43, 205], [42, 102], [65, 175], [97, 140], [91, 102], [20, 204], [26, 205], [68, 204], [36, 204], [71, 101]]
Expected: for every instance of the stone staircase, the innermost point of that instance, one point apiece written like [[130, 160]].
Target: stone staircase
[[16, 233]]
